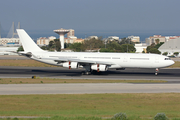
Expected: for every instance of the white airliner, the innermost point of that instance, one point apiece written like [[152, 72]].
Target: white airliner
[[95, 61]]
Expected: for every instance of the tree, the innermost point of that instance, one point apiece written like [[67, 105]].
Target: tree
[[153, 45], [158, 45], [66, 45], [114, 46], [93, 44], [44, 47], [165, 53], [176, 53], [149, 48], [20, 49], [157, 41], [78, 47], [154, 50], [106, 50], [128, 48], [51, 45], [55, 45], [126, 41]]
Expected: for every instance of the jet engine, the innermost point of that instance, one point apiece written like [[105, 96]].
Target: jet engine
[[99, 67], [71, 65]]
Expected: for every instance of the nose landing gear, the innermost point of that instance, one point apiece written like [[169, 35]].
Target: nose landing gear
[[157, 70]]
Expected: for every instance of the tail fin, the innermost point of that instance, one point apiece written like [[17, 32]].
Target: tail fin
[[28, 44]]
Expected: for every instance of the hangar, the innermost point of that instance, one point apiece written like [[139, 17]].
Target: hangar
[[170, 47]]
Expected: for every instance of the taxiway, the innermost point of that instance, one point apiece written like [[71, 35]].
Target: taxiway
[[171, 75]]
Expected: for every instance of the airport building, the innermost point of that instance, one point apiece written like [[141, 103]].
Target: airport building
[[71, 38], [91, 37], [170, 47], [70, 33], [140, 47], [43, 41], [134, 38], [12, 38], [52, 38], [113, 38], [79, 40], [171, 37], [10, 42], [153, 39]]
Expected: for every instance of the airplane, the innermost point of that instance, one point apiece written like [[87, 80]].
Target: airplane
[[95, 61]]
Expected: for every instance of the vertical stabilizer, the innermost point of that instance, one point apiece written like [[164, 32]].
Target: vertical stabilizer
[[28, 44]]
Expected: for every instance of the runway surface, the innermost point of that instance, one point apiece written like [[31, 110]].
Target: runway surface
[[90, 88], [171, 75]]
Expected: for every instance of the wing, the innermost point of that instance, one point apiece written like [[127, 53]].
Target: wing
[[82, 62]]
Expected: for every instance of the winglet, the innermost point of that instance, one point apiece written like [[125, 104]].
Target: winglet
[[28, 44]]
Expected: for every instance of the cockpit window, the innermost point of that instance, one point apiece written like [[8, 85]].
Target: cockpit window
[[167, 59]]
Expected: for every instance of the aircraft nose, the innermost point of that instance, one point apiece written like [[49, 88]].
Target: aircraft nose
[[172, 62]]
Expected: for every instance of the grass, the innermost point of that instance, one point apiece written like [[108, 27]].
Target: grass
[[24, 63], [33, 63], [141, 105], [176, 65], [57, 118], [53, 80]]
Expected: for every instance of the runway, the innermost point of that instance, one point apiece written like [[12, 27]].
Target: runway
[[90, 88], [171, 75]]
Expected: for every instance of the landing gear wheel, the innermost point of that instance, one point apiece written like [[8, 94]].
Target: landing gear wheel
[[86, 73], [157, 70], [83, 73]]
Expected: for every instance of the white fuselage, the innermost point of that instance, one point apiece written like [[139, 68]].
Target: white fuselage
[[119, 60]]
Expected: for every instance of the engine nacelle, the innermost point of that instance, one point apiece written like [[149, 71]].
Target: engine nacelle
[[71, 65], [99, 67]]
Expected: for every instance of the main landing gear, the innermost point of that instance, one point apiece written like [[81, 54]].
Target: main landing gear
[[86, 73], [157, 70]]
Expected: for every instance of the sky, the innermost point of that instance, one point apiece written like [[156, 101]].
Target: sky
[[91, 15]]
